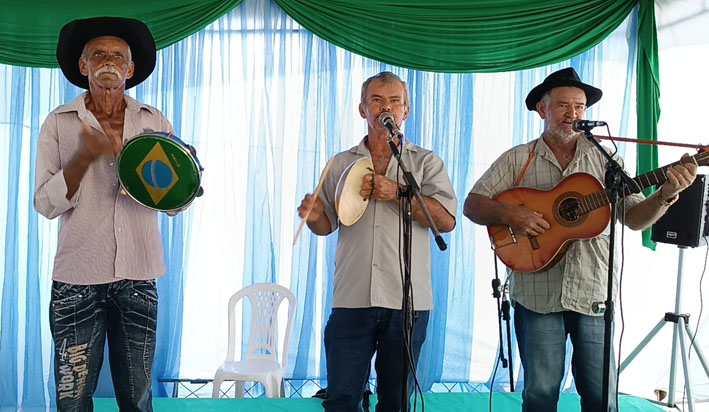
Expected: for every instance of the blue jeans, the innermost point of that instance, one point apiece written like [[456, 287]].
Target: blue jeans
[[352, 336], [542, 345], [81, 318]]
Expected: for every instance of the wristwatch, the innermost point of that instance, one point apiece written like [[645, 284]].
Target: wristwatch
[[669, 202]]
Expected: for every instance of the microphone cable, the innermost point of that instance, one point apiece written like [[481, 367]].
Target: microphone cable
[[620, 303], [408, 328]]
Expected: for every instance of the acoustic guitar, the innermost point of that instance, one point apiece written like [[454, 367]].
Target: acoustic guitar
[[577, 208]]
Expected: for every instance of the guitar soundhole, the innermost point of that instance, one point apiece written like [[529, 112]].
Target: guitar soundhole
[[567, 210]]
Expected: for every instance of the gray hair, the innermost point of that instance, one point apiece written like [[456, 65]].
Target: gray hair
[[386, 77]]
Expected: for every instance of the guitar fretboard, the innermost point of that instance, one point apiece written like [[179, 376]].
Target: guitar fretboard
[[658, 176]]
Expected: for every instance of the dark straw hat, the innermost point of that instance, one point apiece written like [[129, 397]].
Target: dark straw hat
[[74, 36], [563, 78]]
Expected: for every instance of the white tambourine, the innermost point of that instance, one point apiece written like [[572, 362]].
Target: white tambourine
[[349, 204]]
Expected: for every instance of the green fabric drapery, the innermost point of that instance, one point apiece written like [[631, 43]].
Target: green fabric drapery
[[430, 35], [29, 29], [648, 90], [462, 35]]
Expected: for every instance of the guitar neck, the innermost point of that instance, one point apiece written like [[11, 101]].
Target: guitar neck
[[658, 176]]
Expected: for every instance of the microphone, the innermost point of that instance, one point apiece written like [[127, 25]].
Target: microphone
[[387, 120], [586, 125]]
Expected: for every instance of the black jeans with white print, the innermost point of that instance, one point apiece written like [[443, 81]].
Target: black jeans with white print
[[82, 318]]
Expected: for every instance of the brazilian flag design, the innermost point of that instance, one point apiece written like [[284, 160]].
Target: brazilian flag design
[[158, 172]]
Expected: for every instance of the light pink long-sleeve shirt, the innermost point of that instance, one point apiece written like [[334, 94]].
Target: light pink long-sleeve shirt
[[104, 236]]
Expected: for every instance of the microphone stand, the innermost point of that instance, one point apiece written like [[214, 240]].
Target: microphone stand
[[615, 179], [411, 189], [499, 292], [506, 318]]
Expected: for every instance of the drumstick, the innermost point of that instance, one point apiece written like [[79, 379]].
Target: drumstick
[[317, 192]]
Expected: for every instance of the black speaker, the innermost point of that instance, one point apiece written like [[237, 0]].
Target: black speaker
[[685, 223]]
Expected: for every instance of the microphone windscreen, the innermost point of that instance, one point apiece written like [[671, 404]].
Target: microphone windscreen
[[386, 117]]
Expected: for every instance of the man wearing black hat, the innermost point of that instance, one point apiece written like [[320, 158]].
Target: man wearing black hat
[[110, 250], [557, 300]]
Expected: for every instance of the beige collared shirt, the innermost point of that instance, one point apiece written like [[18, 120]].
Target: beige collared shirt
[[368, 272], [579, 279], [104, 236]]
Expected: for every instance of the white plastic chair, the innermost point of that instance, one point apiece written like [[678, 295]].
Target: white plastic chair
[[260, 363]]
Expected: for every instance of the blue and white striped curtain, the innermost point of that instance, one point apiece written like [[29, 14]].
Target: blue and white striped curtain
[[266, 104]]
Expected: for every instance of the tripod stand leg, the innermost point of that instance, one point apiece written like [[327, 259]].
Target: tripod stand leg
[[685, 364], [697, 349], [677, 328], [641, 345], [673, 365]]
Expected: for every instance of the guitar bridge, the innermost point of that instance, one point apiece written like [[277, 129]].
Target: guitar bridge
[[506, 240], [534, 242]]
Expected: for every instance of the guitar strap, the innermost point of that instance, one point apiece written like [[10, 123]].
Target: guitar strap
[[526, 165]]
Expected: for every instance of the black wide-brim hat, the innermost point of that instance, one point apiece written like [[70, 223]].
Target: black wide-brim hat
[[74, 36], [562, 78]]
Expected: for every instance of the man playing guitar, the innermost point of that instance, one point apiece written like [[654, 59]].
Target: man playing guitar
[[556, 300]]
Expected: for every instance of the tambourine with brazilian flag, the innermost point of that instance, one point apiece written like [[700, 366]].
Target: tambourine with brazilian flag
[[160, 171]]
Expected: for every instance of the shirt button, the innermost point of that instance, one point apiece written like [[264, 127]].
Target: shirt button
[[110, 164], [120, 230]]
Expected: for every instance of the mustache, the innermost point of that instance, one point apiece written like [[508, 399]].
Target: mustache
[[558, 131], [108, 69]]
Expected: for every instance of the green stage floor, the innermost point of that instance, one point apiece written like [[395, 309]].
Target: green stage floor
[[434, 402]]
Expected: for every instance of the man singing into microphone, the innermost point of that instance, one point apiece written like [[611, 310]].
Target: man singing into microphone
[[558, 300], [367, 296]]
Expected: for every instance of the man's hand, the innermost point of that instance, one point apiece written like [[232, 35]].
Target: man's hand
[[93, 143], [526, 222], [679, 177], [379, 187], [647, 212], [311, 208]]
